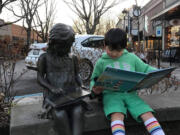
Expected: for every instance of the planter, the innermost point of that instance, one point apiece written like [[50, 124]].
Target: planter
[[4, 130]]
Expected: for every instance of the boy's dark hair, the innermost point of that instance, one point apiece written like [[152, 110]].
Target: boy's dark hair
[[62, 35], [116, 39]]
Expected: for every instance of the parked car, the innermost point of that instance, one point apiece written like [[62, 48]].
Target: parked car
[[88, 48], [36, 50]]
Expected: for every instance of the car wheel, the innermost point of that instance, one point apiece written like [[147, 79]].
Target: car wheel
[[85, 69]]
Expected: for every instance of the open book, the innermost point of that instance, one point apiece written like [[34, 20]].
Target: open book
[[122, 80], [68, 99]]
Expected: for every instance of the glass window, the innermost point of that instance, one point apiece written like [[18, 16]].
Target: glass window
[[93, 42]]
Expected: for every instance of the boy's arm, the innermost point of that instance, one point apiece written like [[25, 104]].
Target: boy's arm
[[76, 70], [140, 66], [96, 73]]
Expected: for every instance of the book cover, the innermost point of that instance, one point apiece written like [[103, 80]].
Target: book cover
[[123, 80]]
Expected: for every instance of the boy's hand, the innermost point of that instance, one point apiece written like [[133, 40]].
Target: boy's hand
[[97, 89]]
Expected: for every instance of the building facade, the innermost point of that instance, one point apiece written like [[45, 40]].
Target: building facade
[[5, 30], [163, 17], [148, 27], [158, 25], [17, 33]]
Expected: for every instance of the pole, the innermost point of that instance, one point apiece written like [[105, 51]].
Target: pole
[[179, 40], [138, 35], [159, 53], [124, 23]]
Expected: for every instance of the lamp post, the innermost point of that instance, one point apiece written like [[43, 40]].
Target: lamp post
[[124, 13], [137, 13], [128, 28]]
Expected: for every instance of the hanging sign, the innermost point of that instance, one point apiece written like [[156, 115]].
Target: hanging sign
[[159, 31]]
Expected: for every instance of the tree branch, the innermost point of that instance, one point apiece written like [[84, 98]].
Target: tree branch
[[96, 9], [9, 23]]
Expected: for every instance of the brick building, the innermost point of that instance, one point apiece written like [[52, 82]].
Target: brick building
[[17, 33]]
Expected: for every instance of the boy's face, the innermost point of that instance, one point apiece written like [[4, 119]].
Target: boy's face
[[113, 53]]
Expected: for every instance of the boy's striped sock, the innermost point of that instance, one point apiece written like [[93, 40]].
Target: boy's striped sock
[[117, 127], [153, 127]]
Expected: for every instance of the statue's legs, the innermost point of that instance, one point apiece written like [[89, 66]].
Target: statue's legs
[[61, 122], [77, 120]]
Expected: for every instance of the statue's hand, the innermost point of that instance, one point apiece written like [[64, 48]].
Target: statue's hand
[[57, 91]]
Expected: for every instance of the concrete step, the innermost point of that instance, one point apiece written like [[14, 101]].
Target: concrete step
[[25, 121]]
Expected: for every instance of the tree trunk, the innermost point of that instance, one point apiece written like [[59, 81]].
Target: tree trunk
[[28, 39]]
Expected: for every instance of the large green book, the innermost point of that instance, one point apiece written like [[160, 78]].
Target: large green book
[[125, 81]]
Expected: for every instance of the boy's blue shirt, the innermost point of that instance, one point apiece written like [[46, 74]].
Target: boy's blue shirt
[[127, 61]]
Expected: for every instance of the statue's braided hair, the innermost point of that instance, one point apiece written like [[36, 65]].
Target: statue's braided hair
[[63, 36]]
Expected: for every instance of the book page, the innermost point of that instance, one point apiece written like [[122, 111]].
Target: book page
[[153, 78], [119, 80]]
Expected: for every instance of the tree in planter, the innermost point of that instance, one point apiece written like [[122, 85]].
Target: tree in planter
[[8, 57]]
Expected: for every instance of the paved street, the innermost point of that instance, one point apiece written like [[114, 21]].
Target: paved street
[[27, 82]]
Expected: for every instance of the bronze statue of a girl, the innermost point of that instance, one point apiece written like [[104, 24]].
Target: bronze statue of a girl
[[58, 74]]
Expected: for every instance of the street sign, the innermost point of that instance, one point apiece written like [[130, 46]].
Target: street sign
[[159, 31], [134, 32]]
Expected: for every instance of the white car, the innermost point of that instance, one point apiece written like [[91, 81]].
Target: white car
[[36, 50], [88, 48]]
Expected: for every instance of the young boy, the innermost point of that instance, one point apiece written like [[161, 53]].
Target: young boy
[[116, 104]]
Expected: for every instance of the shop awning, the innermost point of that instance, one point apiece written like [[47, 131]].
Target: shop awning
[[162, 13]]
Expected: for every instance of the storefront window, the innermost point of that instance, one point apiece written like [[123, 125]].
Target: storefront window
[[150, 44], [174, 39]]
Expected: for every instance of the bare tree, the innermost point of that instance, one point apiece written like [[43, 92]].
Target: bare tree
[[90, 11], [4, 4], [9, 23], [8, 57], [78, 26], [28, 10], [44, 23], [105, 25]]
